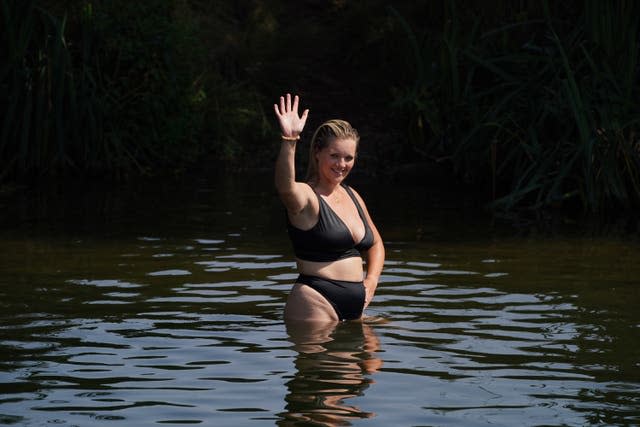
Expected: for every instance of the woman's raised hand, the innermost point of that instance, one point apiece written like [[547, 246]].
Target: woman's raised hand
[[291, 124]]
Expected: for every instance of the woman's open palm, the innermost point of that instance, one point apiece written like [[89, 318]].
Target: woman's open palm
[[291, 124]]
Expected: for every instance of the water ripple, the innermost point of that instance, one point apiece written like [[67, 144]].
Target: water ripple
[[181, 334]]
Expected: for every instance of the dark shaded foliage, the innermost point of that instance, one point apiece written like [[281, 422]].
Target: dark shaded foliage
[[535, 103]]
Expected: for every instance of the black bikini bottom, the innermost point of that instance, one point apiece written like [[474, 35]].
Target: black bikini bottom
[[347, 298]]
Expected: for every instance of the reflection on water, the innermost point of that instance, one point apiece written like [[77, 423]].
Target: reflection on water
[[166, 308], [334, 364]]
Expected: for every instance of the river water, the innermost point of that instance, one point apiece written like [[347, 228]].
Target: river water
[[162, 305]]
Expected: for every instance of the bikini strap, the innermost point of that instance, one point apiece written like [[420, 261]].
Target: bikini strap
[[355, 200]]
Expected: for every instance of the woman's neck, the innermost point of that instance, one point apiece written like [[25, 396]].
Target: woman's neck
[[325, 188]]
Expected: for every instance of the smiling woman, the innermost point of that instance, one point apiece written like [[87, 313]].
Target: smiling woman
[[344, 141], [328, 222]]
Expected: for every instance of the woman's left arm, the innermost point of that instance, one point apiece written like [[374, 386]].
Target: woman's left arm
[[374, 256]]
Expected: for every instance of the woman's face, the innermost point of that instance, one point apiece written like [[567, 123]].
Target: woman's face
[[336, 160]]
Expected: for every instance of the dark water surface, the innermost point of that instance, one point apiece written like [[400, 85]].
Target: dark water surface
[[162, 305]]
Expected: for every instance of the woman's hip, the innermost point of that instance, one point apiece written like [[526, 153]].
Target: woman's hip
[[347, 297]]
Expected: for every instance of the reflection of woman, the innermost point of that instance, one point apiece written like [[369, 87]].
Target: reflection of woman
[[328, 222], [333, 364]]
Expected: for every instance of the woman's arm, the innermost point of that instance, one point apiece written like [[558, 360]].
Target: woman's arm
[[375, 261], [294, 195], [374, 256]]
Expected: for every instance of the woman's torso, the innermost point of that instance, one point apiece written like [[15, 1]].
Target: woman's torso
[[330, 247], [349, 269]]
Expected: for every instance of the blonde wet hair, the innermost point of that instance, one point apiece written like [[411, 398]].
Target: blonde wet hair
[[326, 133]]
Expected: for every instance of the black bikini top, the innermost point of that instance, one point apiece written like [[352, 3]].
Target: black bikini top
[[329, 239]]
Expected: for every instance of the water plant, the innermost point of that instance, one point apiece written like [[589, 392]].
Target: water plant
[[534, 102], [541, 110], [94, 90]]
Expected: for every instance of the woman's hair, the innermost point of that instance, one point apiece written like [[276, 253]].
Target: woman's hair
[[325, 134]]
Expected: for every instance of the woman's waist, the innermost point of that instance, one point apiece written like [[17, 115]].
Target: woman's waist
[[348, 269]]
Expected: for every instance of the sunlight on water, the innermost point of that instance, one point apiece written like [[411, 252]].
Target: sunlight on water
[[185, 327]]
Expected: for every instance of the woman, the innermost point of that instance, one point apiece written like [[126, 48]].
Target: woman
[[328, 222]]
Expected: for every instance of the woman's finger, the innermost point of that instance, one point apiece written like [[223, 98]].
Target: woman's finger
[[288, 102], [295, 104], [303, 119]]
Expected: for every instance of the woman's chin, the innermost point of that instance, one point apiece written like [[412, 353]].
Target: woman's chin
[[339, 179]]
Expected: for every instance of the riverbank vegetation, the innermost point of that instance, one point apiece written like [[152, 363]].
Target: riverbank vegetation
[[533, 104]]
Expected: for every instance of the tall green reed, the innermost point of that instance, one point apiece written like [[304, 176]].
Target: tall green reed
[[102, 88], [34, 78], [539, 109]]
